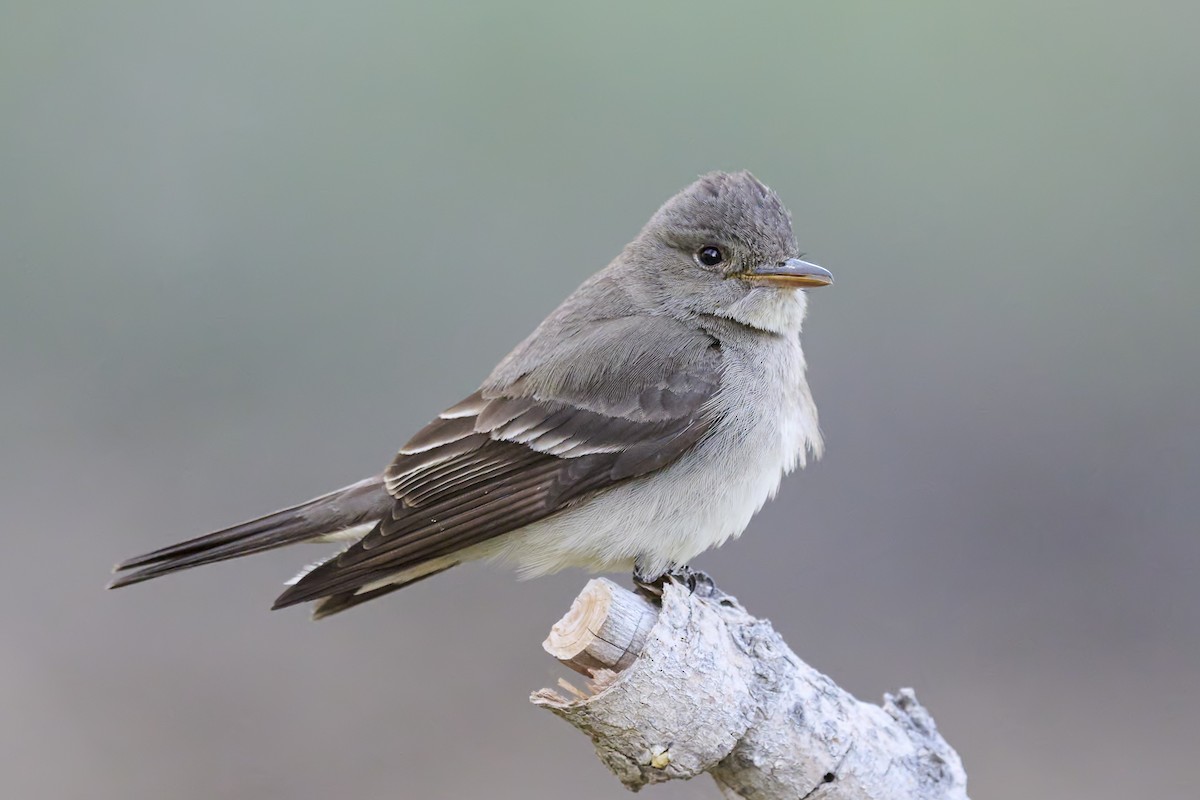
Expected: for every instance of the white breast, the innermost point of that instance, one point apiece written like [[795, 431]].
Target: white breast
[[768, 425]]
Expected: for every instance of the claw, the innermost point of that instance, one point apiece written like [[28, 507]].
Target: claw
[[697, 581], [651, 586]]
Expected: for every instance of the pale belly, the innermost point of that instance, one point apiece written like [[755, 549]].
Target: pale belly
[[699, 502]]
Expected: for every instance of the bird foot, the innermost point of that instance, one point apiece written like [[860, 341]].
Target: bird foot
[[651, 586]]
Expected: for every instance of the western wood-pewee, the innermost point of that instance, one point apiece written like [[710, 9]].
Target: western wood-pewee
[[644, 421]]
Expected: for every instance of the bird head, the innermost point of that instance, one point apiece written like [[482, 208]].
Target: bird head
[[724, 246]]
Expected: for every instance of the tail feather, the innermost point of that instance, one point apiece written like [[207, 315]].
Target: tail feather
[[362, 503], [336, 603]]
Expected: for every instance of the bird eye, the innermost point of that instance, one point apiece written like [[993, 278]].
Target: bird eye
[[709, 256]]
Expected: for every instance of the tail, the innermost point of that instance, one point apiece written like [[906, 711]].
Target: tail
[[337, 603], [359, 504]]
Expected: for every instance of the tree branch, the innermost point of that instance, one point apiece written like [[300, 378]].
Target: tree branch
[[699, 685]]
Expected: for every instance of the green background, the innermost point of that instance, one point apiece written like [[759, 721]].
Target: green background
[[248, 248]]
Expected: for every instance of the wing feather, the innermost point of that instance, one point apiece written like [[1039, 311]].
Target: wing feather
[[510, 455]]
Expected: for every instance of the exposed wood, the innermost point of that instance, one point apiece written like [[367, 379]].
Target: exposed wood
[[701, 686], [606, 628]]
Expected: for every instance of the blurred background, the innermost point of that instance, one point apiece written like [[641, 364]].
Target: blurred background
[[248, 249]]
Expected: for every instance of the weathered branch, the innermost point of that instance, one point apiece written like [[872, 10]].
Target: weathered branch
[[699, 685]]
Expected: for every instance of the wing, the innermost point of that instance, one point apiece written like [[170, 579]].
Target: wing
[[634, 398]]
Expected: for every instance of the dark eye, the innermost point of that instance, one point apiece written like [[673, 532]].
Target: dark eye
[[709, 256]]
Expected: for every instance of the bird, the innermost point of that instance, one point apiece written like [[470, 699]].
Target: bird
[[644, 421]]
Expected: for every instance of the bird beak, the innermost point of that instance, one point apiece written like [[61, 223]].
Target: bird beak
[[791, 274]]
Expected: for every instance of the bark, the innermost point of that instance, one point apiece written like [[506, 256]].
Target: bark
[[698, 685]]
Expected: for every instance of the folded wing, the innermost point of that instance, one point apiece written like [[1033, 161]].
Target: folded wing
[[511, 454]]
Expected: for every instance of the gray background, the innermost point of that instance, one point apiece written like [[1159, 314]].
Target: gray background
[[248, 248]]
